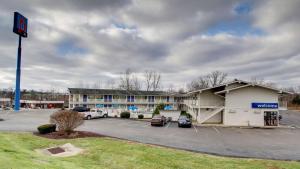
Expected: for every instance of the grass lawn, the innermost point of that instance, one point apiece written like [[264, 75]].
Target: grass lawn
[[17, 152]]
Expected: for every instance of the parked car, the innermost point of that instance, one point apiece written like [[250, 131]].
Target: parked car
[[184, 121], [158, 120], [6, 108], [81, 109], [95, 113]]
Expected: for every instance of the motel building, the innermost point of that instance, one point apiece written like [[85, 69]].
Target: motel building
[[237, 103], [117, 101]]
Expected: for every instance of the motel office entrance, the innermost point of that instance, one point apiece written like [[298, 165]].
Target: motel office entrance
[[271, 118]]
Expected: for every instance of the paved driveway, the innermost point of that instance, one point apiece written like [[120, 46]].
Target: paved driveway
[[259, 143]]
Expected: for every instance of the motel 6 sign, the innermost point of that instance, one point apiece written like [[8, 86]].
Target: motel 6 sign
[[20, 25], [20, 28]]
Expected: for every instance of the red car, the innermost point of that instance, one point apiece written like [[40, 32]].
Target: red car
[[158, 120]]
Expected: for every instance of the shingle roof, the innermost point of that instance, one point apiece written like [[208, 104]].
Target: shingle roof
[[117, 92]]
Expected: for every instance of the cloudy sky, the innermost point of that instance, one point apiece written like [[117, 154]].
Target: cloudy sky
[[78, 41]]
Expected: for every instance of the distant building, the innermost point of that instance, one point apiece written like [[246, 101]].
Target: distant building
[[5, 102], [45, 104]]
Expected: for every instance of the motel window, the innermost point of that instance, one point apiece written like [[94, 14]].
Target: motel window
[[107, 98], [130, 98], [168, 99], [84, 98], [150, 98], [107, 106]]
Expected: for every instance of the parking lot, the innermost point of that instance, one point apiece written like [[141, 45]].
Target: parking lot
[[280, 143]]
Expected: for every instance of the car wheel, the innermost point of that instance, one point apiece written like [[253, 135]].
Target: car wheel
[[105, 115], [89, 117], [179, 125]]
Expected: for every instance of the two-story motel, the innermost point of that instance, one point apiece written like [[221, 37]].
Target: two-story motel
[[237, 103], [120, 99]]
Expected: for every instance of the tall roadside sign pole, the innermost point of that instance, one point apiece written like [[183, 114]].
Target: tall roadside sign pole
[[20, 28]]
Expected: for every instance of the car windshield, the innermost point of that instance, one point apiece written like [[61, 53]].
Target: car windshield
[[93, 110], [183, 118]]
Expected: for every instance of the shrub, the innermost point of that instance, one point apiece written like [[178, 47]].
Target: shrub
[[66, 120], [125, 114], [140, 116], [296, 100], [155, 112], [46, 128], [184, 113], [160, 106]]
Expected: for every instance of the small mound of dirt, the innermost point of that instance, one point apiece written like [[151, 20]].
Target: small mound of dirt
[[63, 135]]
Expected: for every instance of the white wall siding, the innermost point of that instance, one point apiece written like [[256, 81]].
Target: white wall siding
[[208, 98], [238, 111], [215, 119]]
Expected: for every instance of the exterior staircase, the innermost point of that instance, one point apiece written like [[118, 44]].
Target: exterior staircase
[[214, 112]]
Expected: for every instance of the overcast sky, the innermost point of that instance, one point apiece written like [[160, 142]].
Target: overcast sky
[[79, 41]]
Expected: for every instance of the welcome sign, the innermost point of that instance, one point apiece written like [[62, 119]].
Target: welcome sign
[[265, 105]]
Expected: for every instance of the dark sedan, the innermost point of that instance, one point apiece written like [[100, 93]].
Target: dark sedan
[[158, 120], [184, 121]]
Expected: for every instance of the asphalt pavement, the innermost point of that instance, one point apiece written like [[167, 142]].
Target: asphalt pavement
[[279, 143]]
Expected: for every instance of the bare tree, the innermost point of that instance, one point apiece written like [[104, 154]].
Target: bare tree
[[148, 77], [171, 88], [216, 78], [197, 84], [129, 81], [261, 81], [110, 84], [125, 80], [212, 79], [156, 81], [152, 80], [136, 85], [97, 85]]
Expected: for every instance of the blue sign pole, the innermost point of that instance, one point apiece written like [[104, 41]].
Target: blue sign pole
[[18, 76]]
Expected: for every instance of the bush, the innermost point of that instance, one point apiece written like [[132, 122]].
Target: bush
[[160, 106], [46, 128], [155, 112], [66, 120], [184, 113], [140, 116], [125, 115], [296, 100]]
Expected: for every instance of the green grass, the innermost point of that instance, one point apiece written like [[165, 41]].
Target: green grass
[[17, 152]]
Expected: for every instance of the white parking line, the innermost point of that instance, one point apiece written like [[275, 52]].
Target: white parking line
[[216, 130], [168, 125], [195, 129]]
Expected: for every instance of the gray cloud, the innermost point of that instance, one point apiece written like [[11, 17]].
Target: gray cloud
[[93, 41]]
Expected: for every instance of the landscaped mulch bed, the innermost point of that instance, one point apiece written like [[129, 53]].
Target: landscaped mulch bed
[[75, 134]]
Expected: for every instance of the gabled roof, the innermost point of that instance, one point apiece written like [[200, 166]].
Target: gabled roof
[[222, 85], [245, 84], [253, 85], [118, 92]]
